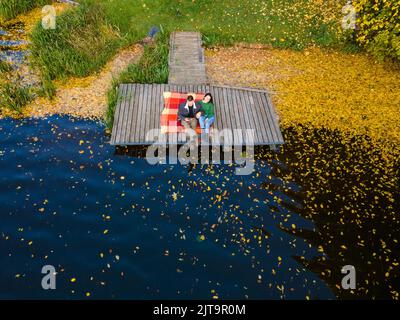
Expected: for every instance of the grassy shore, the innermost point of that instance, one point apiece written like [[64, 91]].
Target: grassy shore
[[81, 44], [104, 26]]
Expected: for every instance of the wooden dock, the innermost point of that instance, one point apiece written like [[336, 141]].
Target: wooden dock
[[140, 106], [186, 59]]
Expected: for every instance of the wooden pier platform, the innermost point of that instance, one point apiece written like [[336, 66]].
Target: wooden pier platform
[[140, 106]]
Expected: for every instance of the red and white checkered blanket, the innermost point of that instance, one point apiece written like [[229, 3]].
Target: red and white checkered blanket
[[169, 117]]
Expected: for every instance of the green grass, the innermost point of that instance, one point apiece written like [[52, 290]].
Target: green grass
[[14, 97], [4, 66], [47, 88], [151, 68], [82, 43], [11, 8], [87, 36]]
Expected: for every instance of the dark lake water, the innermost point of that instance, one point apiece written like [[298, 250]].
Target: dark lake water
[[121, 228]]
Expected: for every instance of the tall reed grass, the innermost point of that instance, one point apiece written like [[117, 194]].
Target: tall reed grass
[[81, 44], [13, 97], [4, 66]]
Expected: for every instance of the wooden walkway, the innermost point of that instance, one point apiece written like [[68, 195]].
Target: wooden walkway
[[186, 59], [140, 105]]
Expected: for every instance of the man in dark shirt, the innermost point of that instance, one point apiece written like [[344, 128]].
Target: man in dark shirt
[[188, 113]]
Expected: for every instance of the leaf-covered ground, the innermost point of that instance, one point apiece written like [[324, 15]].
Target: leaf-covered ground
[[85, 97], [348, 92]]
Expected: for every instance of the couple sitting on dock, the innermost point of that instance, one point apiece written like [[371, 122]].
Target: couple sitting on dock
[[190, 113]]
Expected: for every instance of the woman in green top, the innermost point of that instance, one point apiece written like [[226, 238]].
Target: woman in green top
[[207, 117]]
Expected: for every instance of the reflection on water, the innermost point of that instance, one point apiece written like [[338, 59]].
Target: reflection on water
[[352, 196], [116, 227]]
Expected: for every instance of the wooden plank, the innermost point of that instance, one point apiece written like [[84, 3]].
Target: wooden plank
[[150, 109], [239, 112], [135, 104], [140, 111], [243, 109], [260, 118], [238, 109], [253, 117], [265, 106], [274, 118], [157, 106], [227, 124], [228, 116], [228, 110], [131, 108], [122, 116], [116, 115], [144, 108], [123, 89], [235, 115], [243, 88], [218, 110], [136, 114], [248, 115], [263, 114]]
